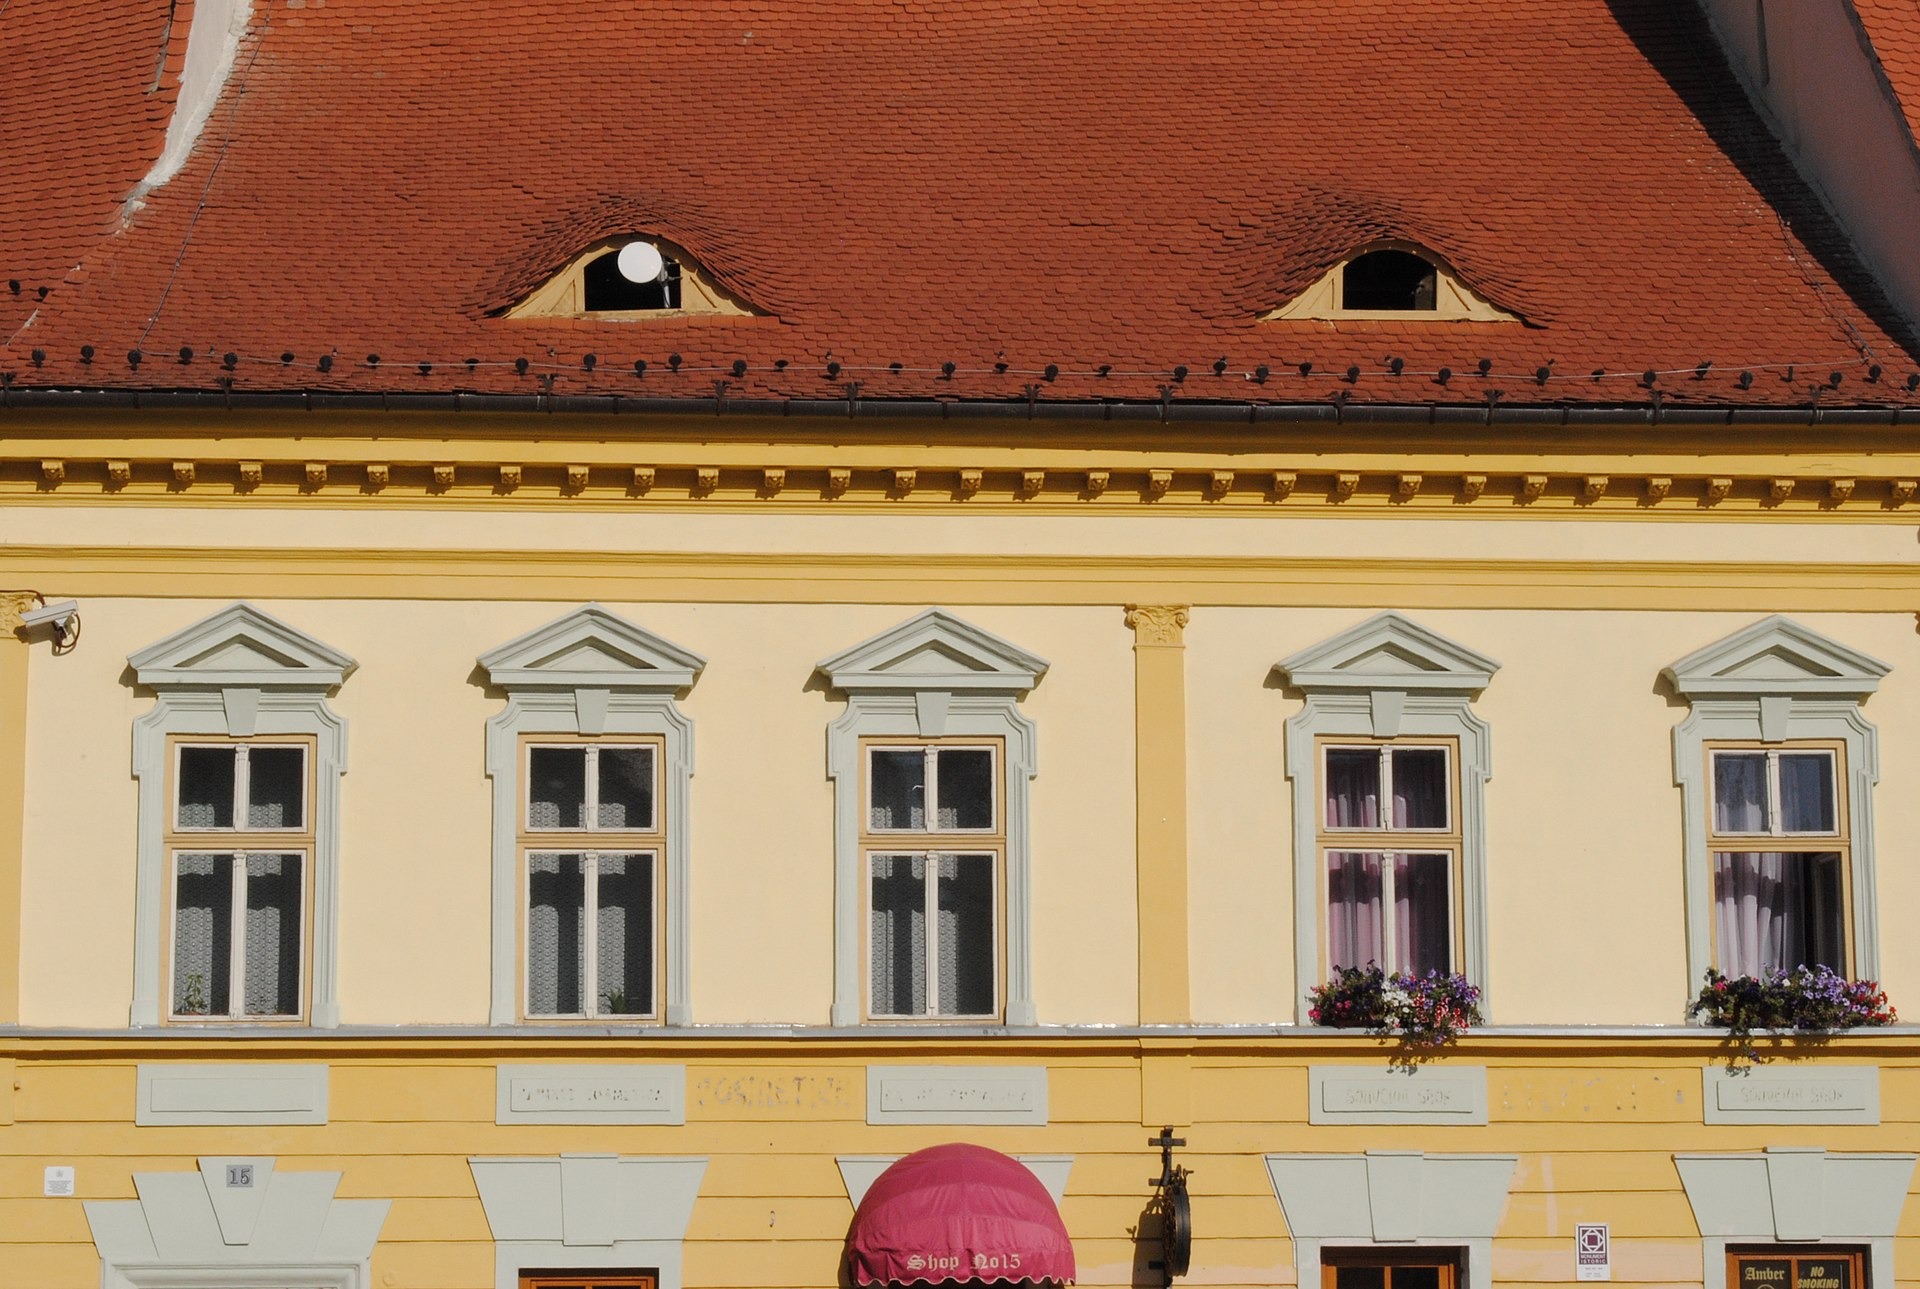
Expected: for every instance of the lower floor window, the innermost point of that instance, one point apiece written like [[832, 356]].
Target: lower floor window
[[1398, 1269], [1389, 909], [237, 932], [931, 941], [589, 1280], [1777, 910], [590, 934], [1785, 1267]]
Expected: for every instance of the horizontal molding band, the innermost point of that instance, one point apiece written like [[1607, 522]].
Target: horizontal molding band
[[562, 576], [777, 1042], [1744, 485]]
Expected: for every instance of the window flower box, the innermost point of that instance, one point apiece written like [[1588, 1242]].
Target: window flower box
[[1424, 1012], [1807, 1001]]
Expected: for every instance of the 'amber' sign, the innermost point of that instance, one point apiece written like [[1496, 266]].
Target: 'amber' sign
[[1826, 1270]]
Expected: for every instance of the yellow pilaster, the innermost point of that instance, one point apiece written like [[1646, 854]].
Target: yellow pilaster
[[13, 795], [1160, 794]]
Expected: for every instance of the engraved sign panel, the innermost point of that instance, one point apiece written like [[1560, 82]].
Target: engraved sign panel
[[1358, 1094], [610, 1093], [958, 1094], [1774, 1094]]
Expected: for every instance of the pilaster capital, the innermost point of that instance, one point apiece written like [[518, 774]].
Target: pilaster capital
[[12, 605], [1158, 624]]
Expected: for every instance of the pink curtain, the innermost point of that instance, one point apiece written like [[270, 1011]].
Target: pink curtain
[[1354, 924]]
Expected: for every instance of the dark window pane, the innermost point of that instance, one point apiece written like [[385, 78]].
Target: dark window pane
[[1806, 792], [1354, 924], [607, 289], [1423, 913], [556, 934], [1739, 791], [626, 787], [1823, 1273], [1392, 280], [1420, 796], [1777, 910], [557, 791], [897, 935], [1353, 787], [966, 788], [1765, 1273], [206, 787], [202, 934], [897, 794], [967, 952], [624, 947], [1416, 1278], [1360, 1277], [273, 935], [276, 787]]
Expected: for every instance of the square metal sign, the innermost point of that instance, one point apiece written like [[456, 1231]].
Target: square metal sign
[[1593, 1250]]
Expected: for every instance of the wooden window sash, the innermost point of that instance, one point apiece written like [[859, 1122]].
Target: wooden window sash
[[242, 786], [591, 842], [930, 843], [1389, 842], [233, 844], [590, 932], [655, 829]]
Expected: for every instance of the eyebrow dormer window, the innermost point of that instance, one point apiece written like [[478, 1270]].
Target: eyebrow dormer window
[[629, 279], [1389, 282], [635, 277], [1395, 281]]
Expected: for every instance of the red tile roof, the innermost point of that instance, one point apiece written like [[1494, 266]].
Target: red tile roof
[[1011, 186], [84, 104], [1894, 28]]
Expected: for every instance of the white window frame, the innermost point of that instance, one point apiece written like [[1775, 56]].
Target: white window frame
[[934, 676], [932, 913], [590, 939], [1386, 750], [626, 688], [1387, 678], [591, 806], [242, 782], [1389, 913], [237, 936], [267, 683], [1772, 755], [1776, 682], [931, 810]]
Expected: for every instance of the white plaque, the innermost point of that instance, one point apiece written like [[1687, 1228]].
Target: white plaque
[[612, 1093], [1426, 1094], [58, 1181], [202, 1095], [1788, 1094], [1593, 1251], [957, 1094]]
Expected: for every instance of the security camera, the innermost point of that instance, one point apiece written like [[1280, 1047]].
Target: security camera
[[57, 615]]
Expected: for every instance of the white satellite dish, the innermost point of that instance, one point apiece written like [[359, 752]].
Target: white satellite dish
[[641, 262]]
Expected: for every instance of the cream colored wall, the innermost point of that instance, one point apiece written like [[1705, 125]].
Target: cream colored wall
[[1585, 894], [1499, 530], [415, 853]]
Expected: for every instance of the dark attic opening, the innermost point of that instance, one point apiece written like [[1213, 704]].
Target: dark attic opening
[[612, 286], [1395, 281]]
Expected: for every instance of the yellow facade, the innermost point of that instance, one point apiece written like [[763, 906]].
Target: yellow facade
[[1162, 894]]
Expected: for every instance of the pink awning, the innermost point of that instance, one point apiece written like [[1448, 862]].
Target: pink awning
[[958, 1212]]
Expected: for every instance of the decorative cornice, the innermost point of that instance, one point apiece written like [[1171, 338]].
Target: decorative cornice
[[1158, 624], [487, 480]]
